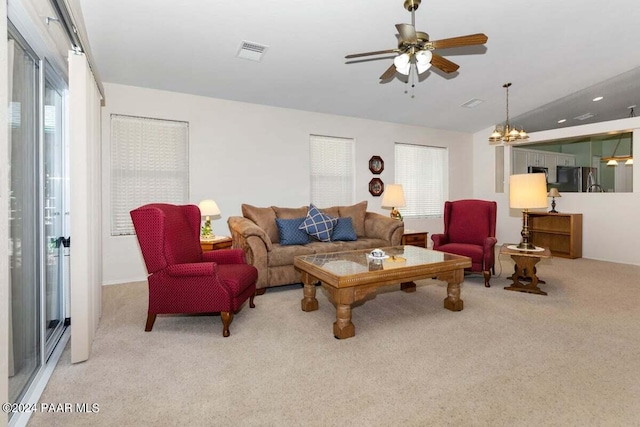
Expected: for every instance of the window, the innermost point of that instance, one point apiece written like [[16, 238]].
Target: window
[[149, 164], [423, 173], [332, 171]]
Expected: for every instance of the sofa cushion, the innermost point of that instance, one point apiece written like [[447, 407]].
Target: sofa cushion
[[344, 230], [357, 213], [333, 211], [318, 224], [290, 233], [290, 213], [283, 255], [265, 218]]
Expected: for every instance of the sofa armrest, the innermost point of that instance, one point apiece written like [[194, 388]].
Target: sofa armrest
[[383, 227], [439, 240], [255, 243], [243, 228]]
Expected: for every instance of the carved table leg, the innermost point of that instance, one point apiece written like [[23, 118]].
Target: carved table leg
[[454, 279], [525, 268], [309, 302], [343, 328]]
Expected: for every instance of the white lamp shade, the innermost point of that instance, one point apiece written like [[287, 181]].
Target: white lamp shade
[[401, 61], [208, 208], [423, 57], [528, 191], [393, 196]]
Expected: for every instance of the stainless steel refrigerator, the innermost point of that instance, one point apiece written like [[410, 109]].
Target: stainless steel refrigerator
[[577, 179]]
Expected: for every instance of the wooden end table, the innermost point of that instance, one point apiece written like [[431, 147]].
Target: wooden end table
[[218, 242], [525, 269], [415, 238]]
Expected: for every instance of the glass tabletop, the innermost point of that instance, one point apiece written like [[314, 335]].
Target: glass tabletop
[[354, 262]]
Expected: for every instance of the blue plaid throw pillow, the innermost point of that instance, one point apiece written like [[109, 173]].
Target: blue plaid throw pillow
[[318, 224]]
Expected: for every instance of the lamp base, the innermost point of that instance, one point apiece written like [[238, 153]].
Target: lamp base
[[526, 246], [395, 214]]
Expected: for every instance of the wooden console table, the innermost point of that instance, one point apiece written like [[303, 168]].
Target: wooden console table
[[525, 269], [560, 232]]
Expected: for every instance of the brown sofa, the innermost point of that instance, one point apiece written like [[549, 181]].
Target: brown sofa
[[257, 233]]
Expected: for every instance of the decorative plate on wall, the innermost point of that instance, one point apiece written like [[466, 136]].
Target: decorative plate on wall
[[376, 165], [376, 187]]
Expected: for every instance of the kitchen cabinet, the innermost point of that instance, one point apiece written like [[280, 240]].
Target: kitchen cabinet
[[522, 158]]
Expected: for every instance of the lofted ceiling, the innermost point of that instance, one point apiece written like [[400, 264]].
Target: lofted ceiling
[[558, 55]]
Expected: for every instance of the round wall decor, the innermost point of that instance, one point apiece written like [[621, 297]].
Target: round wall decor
[[376, 165], [376, 187]]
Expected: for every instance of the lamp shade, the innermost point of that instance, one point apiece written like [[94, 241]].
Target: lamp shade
[[393, 196], [554, 192], [208, 208], [528, 191]]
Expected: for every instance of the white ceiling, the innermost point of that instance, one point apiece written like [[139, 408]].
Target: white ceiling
[[548, 49]]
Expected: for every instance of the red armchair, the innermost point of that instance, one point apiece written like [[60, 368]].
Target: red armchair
[[183, 279], [470, 230]]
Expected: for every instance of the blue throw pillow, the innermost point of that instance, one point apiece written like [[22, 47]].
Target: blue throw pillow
[[344, 230], [290, 233], [318, 224]]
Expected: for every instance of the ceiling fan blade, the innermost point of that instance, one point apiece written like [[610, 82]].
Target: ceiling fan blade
[[377, 52], [391, 71], [443, 63], [469, 40], [407, 33]]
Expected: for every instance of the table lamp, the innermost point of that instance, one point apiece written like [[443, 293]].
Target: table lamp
[[208, 208], [393, 197], [553, 193], [527, 191]]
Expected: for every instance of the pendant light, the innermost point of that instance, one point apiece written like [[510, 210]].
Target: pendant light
[[507, 133]]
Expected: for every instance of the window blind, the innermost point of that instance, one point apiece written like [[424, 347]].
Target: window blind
[[149, 164], [423, 173], [332, 171]]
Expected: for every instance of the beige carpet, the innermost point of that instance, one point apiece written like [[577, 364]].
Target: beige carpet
[[571, 358]]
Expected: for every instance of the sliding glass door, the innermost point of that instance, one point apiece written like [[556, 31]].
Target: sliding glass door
[[25, 340], [38, 221], [56, 239]]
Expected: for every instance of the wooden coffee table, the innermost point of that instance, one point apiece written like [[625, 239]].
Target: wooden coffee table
[[352, 276]]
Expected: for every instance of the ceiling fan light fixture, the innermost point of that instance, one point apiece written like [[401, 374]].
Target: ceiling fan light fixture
[[422, 67], [401, 61], [423, 57]]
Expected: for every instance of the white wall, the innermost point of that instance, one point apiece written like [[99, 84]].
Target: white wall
[[610, 220], [247, 153]]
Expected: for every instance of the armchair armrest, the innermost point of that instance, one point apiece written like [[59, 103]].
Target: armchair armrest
[[225, 256], [439, 240], [192, 269]]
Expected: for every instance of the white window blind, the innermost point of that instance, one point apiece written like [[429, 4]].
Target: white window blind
[[423, 173], [149, 164], [332, 171]]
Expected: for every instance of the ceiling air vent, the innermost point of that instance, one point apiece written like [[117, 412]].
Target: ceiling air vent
[[472, 103], [252, 51], [585, 116]]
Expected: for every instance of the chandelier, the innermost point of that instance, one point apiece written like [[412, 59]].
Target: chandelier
[[507, 133]]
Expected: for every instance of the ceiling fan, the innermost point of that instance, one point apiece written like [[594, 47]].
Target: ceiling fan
[[415, 47]]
